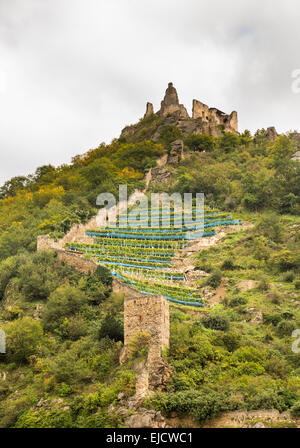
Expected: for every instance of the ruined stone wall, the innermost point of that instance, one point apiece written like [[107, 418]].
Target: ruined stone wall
[[233, 121], [44, 242], [77, 262], [204, 120], [200, 110], [215, 117]]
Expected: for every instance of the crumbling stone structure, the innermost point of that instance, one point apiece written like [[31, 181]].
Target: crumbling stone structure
[[44, 242], [150, 314], [204, 120], [146, 313]]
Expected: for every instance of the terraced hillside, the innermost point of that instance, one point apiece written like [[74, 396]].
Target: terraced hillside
[[142, 256]]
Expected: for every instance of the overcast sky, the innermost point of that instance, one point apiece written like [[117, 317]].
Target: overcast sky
[[73, 73]]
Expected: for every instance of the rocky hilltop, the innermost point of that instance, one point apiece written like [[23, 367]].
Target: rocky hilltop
[[204, 120]]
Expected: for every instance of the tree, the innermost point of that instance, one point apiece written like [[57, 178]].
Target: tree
[[269, 226], [65, 301], [229, 142], [112, 328], [169, 134], [23, 338], [103, 275], [216, 322], [11, 186], [199, 142]]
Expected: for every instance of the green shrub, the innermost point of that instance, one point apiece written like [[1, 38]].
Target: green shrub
[[276, 367], [138, 345], [63, 390], [270, 227], [65, 301], [77, 363], [248, 354], [216, 322], [199, 142], [200, 405], [214, 279], [111, 327], [228, 265], [275, 297], [288, 277], [250, 368], [24, 337], [263, 284], [285, 328], [237, 301], [230, 340], [286, 260], [76, 327], [295, 409], [96, 291], [103, 275], [169, 134], [268, 399], [273, 319], [43, 419], [229, 142]]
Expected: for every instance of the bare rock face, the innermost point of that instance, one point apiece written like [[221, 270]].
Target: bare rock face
[[176, 153], [177, 148], [160, 175], [170, 103], [171, 97], [145, 418], [149, 110], [272, 133]]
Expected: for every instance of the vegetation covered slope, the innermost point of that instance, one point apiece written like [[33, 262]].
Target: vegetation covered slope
[[64, 328]]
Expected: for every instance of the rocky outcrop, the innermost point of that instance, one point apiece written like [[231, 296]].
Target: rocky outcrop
[[176, 153], [271, 133], [170, 103], [160, 175], [149, 110], [204, 120]]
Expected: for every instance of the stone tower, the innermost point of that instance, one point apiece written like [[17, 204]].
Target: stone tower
[[146, 313]]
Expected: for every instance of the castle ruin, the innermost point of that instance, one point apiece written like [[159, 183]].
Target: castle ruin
[[204, 120]]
